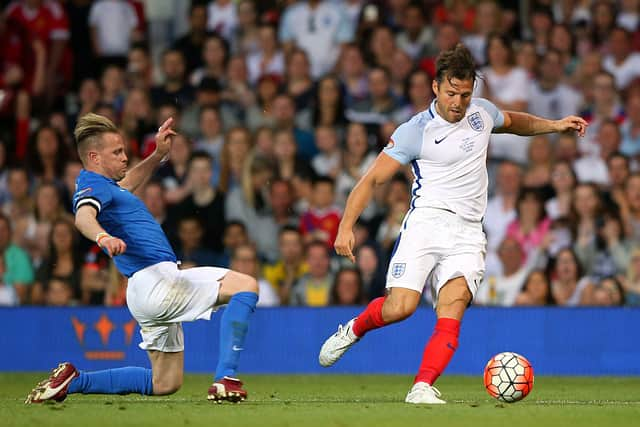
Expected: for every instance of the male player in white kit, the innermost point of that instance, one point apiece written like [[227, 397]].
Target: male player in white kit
[[159, 295], [441, 242]]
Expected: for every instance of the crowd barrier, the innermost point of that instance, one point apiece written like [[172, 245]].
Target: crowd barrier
[[560, 341]]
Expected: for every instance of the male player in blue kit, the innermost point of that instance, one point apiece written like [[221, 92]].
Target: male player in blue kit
[[159, 295]]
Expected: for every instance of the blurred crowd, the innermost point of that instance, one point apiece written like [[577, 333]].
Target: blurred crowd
[[281, 106]]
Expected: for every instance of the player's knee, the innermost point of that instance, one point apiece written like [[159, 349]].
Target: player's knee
[[166, 386]]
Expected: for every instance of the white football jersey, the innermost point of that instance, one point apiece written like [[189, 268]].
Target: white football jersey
[[448, 159]]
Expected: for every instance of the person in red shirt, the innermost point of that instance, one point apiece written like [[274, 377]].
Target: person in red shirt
[[46, 20], [321, 220]]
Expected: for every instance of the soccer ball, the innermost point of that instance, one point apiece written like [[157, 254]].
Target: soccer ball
[[508, 377]]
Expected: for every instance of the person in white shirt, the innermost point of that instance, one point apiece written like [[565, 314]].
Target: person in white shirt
[[548, 96], [441, 244], [623, 63], [593, 167], [319, 28], [222, 18]]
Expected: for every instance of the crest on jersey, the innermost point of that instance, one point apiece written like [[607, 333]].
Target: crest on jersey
[[476, 122], [397, 270]]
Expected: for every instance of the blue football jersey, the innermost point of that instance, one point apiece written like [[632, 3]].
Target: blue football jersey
[[125, 216]]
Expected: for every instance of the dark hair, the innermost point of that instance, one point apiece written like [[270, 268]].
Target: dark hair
[[233, 223], [506, 42], [200, 155], [456, 63], [289, 229], [618, 286], [323, 179], [550, 300], [61, 156], [360, 296], [527, 192]]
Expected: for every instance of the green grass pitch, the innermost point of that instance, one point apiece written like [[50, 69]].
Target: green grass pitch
[[336, 400]]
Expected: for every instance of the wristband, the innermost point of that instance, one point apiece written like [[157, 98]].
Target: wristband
[[101, 236]]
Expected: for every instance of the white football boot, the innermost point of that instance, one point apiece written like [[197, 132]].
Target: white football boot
[[423, 393], [337, 344]]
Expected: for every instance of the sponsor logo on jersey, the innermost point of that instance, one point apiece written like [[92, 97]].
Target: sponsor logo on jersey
[[397, 270], [476, 122]]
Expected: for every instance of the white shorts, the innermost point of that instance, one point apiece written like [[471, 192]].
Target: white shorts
[[161, 296], [435, 246]]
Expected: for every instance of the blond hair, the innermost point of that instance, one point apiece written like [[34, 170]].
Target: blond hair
[[89, 130]]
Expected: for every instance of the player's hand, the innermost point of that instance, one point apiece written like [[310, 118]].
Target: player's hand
[[569, 123], [113, 246], [164, 137], [344, 244]]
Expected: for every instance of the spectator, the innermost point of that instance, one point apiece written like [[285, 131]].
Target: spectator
[[153, 196], [503, 289], [356, 160], [562, 41], [568, 285], [416, 37], [536, 290], [18, 269], [285, 119], [235, 235], [192, 43], [261, 114], [8, 295], [299, 82], [531, 224], [63, 262], [139, 68], [285, 153], [174, 173], [372, 269], [563, 181], [319, 27], [222, 17], [540, 159], [609, 293], [608, 254], [593, 167], [215, 54], [622, 62], [314, 288], [175, 88], [281, 201], [487, 21], [20, 205], [59, 293], [549, 96], [585, 211], [320, 222], [112, 83], [347, 288], [419, 94], [114, 25], [232, 159], [210, 137], [379, 106], [190, 249], [630, 128], [245, 260], [205, 202], [47, 155], [353, 74], [631, 280], [501, 208], [506, 85], [268, 58], [328, 106], [619, 167], [245, 39], [291, 265], [329, 161], [630, 210]]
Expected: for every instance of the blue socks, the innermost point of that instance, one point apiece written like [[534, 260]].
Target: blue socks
[[233, 330], [114, 381]]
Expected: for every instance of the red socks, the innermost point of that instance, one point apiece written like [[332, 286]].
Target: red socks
[[439, 350], [370, 318]]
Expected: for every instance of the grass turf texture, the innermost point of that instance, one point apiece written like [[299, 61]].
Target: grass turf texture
[[335, 400]]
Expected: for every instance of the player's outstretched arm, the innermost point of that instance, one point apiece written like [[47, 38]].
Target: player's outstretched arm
[[89, 226], [138, 175], [526, 124], [380, 172]]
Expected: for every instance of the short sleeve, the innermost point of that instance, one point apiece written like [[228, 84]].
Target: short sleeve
[[494, 112], [405, 143], [96, 195]]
